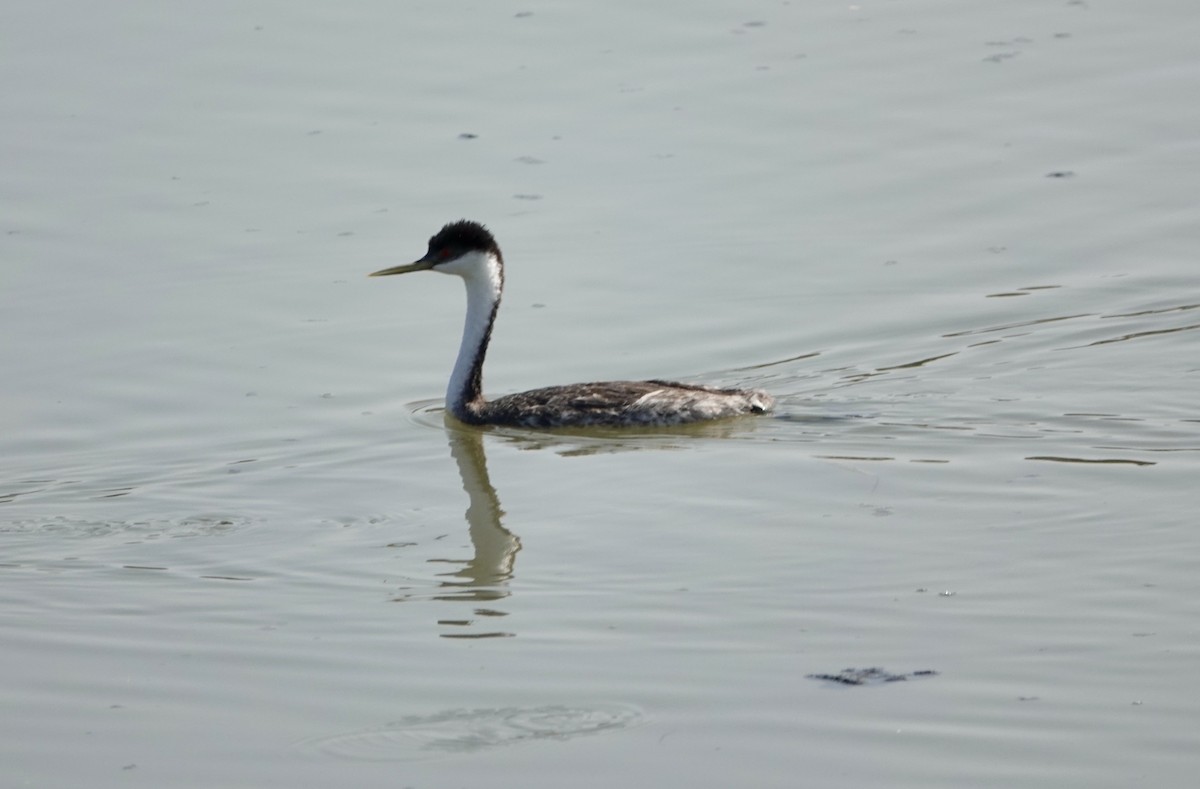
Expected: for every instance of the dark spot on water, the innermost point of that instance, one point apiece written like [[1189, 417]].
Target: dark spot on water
[[468, 136], [870, 676], [1061, 174]]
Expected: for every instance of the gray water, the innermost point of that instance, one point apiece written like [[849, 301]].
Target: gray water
[[241, 546]]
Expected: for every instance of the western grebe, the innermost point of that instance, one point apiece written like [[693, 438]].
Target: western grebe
[[467, 249]]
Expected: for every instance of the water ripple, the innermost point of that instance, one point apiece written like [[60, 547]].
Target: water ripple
[[467, 731]]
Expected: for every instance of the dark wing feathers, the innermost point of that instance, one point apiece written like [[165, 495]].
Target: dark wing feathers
[[611, 403]]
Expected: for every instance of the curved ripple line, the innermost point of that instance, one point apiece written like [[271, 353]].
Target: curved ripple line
[[465, 731]]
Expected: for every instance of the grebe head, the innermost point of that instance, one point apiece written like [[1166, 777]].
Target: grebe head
[[467, 250], [464, 248]]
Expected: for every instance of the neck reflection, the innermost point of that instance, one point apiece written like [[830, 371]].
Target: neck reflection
[[483, 578]]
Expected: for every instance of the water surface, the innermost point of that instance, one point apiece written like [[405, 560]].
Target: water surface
[[241, 546]]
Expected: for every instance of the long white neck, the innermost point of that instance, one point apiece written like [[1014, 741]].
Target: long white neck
[[483, 276]]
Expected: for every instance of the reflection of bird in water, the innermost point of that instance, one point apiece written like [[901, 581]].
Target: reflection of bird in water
[[468, 250], [482, 576]]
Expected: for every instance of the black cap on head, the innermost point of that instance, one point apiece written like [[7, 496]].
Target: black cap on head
[[458, 238]]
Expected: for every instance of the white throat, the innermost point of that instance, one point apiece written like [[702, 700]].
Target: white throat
[[481, 273]]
